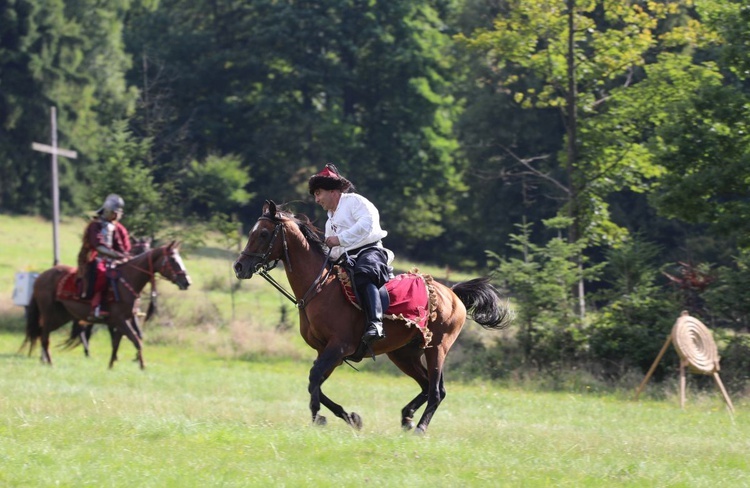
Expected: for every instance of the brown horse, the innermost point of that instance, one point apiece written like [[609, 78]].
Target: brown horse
[[48, 312], [81, 331], [331, 325]]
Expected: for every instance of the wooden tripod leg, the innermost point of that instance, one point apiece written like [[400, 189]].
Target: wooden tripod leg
[[723, 391], [653, 366], [683, 382]]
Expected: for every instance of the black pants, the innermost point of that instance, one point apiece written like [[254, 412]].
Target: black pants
[[371, 266]]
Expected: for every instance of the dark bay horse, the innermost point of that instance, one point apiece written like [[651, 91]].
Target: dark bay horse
[[81, 331], [47, 312], [331, 325]]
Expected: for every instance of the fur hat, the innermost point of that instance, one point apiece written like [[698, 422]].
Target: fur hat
[[329, 179]]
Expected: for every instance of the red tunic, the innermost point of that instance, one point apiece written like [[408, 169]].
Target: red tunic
[[92, 238]]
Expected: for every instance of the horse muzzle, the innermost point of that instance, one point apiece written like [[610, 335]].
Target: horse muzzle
[[242, 271], [184, 283]]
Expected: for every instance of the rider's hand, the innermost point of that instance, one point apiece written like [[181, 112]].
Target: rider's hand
[[332, 241]]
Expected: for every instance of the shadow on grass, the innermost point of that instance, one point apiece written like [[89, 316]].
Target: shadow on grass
[[13, 320], [15, 355]]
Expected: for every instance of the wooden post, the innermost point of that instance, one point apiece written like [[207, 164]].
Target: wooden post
[[683, 382], [54, 151], [653, 366], [723, 391]]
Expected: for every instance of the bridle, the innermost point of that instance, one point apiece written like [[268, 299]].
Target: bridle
[[165, 264], [165, 268], [264, 265]]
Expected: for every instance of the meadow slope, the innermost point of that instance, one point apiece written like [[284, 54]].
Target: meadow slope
[[223, 402]]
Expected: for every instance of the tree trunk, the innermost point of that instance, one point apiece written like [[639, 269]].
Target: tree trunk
[[572, 142]]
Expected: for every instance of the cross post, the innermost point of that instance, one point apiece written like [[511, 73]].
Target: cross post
[[55, 151]]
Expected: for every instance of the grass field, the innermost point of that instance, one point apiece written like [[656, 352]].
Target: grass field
[[223, 402], [193, 419]]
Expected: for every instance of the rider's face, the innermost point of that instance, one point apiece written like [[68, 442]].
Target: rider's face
[[328, 199], [113, 215]]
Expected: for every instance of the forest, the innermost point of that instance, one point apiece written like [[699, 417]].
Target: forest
[[592, 155]]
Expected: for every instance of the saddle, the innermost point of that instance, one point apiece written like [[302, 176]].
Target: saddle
[[412, 299], [70, 287]]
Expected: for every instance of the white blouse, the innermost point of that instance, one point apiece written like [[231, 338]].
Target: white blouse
[[356, 222]]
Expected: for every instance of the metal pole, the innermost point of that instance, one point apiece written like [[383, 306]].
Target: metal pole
[[55, 190]]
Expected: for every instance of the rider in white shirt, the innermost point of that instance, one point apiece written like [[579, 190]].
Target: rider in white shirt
[[353, 231]]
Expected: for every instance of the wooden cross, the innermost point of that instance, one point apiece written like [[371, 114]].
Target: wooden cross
[[54, 151]]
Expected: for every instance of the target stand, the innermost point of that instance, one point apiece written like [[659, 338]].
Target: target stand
[[698, 352]]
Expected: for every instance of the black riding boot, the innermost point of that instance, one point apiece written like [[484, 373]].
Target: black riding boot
[[373, 308]]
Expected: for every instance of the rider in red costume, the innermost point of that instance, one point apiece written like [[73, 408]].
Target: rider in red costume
[[105, 240]]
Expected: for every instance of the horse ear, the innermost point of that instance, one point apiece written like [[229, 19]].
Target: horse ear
[[270, 208]]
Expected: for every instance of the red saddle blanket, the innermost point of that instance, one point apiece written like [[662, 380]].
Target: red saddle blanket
[[69, 288], [412, 298]]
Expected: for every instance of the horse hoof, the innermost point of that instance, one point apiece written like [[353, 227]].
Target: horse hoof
[[355, 421], [407, 424], [419, 431], [320, 420]]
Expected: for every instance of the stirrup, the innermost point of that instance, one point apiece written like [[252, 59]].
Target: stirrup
[[372, 334], [96, 315]]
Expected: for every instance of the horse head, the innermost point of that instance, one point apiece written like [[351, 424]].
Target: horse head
[[265, 244], [169, 264]]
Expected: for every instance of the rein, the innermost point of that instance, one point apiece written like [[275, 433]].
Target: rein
[[264, 266], [151, 272]]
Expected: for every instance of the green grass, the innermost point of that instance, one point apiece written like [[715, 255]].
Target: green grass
[[223, 402], [194, 419]]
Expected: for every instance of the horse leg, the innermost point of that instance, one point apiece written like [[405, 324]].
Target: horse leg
[[85, 335], [352, 419], [138, 332], [127, 328], [46, 358], [137, 326], [409, 361], [436, 389], [322, 368], [135, 337], [44, 340], [115, 336]]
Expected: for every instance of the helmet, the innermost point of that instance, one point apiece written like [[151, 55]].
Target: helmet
[[113, 203]]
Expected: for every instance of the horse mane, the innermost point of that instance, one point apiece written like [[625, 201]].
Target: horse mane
[[307, 228]]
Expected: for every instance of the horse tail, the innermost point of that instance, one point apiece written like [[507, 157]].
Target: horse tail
[[33, 329], [483, 303]]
